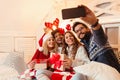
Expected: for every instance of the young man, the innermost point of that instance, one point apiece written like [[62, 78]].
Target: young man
[[96, 42], [58, 35]]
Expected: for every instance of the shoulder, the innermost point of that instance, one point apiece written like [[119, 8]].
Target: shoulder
[[81, 47]]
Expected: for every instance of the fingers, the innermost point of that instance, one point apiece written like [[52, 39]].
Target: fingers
[[86, 9], [90, 17]]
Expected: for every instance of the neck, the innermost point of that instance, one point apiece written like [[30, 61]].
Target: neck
[[59, 45], [49, 49], [87, 36]]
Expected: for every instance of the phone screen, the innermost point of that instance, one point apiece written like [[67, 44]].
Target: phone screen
[[73, 12]]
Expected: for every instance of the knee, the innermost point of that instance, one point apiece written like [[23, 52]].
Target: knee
[[46, 73], [42, 77], [79, 76]]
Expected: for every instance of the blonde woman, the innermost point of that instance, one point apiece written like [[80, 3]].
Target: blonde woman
[[48, 46]]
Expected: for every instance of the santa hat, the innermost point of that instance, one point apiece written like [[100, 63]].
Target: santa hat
[[43, 39]]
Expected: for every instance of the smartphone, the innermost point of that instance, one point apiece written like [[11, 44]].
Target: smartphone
[[75, 12]]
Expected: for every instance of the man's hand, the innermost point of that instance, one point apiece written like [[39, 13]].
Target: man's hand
[[90, 17]]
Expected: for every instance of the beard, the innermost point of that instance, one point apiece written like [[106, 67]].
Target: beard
[[86, 35]]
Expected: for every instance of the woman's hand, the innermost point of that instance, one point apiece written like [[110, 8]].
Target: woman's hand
[[67, 63]]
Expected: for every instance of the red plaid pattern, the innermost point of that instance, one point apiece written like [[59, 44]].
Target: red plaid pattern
[[28, 74]]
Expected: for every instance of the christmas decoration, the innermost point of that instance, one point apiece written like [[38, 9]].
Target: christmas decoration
[[56, 61], [68, 27]]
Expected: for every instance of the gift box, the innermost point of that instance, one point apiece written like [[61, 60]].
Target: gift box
[[56, 61], [41, 63], [60, 75]]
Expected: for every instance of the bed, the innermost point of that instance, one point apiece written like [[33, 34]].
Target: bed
[[11, 65]]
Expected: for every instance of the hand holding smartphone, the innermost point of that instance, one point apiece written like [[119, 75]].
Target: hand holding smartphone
[[75, 12]]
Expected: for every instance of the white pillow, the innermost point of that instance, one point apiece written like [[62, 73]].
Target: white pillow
[[8, 73], [98, 71], [3, 57], [16, 61]]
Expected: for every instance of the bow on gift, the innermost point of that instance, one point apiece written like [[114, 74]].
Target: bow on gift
[[55, 60]]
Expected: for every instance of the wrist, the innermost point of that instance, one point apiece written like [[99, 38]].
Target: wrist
[[95, 24]]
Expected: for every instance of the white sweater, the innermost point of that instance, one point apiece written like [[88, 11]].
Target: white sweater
[[81, 57]]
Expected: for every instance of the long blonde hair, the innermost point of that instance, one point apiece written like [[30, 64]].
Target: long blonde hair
[[46, 50]]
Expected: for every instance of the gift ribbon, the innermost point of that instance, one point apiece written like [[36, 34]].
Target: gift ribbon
[[55, 60]]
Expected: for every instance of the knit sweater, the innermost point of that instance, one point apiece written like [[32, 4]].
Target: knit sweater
[[99, 49]]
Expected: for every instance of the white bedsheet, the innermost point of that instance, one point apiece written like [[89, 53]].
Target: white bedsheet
[[8, 73], [11, 65]]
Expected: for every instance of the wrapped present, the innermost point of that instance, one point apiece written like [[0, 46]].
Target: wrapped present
[[41, 63], [60, 75], [56, 61]]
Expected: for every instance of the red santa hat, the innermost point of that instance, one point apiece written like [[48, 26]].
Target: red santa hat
[[39, 56], [43, 39], [48, 35]]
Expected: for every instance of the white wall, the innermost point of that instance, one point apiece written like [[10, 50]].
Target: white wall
[[22, 21], [22, 17]]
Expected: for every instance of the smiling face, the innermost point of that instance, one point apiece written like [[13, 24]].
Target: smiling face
[[58, 38], [51, 42], [81, 31], [69, 39]]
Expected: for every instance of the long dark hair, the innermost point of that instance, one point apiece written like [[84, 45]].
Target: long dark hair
[[77, 23]]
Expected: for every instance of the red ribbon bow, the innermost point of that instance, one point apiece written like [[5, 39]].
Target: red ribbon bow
[[56, 22], [61, 30], [55, 59], [50, 25], [68, 27]]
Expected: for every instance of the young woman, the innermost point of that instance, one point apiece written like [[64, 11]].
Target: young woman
[[48, 46], [75, 51]]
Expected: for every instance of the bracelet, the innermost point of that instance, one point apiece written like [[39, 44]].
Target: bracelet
[[94, 25]]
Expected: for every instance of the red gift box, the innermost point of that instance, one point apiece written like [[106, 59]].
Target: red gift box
[[60, 75], [56, 61]]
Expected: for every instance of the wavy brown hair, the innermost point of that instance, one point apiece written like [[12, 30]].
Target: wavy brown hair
[[75, 45]]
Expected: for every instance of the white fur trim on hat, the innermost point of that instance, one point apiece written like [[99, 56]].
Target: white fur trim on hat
[[40, 48], [48, 35]]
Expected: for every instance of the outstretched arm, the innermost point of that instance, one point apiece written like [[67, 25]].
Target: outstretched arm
[[98, 33], [90, 18]]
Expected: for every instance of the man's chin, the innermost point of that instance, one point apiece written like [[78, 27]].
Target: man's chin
[[81, 36]]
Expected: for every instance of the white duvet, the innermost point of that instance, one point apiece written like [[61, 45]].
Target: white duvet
[[11, 65], [98, 71], [8, 73]]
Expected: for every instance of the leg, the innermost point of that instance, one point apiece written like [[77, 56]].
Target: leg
[[79, 76], [45, 73]]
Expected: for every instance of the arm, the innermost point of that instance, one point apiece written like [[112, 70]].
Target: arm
[[98, 32], [100, 37], [81, 57]]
